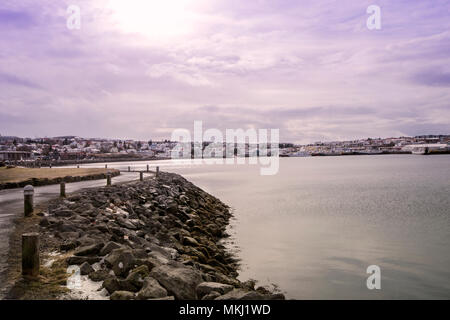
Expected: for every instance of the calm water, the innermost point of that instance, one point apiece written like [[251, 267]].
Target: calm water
[[315, 227]]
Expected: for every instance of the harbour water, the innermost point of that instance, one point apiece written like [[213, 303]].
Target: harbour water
[[315, 227]]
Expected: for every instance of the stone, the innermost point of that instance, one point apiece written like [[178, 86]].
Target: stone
[[121, 261], [189, 241], [107, 248], [89, 250], [151, 289], [86, 269], [205, 288], [80, 260], [44, 222], [211, 296], [63, 213], [68, 245], [179, 281], [99, 275], [241, 294], [111, 284], [164, 298], [137, 276], [122, 295]]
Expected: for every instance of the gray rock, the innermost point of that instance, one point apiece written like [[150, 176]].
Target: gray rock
[[137, 276], [68, 245], [242, 294], [151, 289], [86, 268], [111, 284], [110, 246], [164, 298], [99, 275], [63, 213], [89, 250], [189, 241], [211, 296], [205, 288], [179, 281], [121, 261], [80, 260], [122, 295]]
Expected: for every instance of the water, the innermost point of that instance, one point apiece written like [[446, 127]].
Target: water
[[315, 227]]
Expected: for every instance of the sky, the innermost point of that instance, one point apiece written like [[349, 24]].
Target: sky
[[141, 69]]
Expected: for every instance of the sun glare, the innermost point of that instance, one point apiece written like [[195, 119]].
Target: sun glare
[[154, 18]]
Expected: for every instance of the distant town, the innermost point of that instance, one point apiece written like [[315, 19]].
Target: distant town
[[67, 149]]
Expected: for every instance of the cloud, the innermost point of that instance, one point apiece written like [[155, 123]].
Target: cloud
[[310, 68], [16, 19], [9, 79]]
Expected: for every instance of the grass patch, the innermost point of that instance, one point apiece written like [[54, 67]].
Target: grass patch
[[50, 284], [16, 175], [52, 280]]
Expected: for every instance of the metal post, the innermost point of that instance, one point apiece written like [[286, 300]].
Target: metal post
[[148, 168], [28, 194], [106, 166], [108, 179], [157, 172], [62, 190], [30, 254], [141, 176], [129, 168]]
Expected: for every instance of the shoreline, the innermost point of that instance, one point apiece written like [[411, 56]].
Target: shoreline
[[156, 239], [36, 182]]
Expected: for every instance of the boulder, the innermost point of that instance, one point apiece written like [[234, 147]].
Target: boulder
[[205, 288], [68, 245], [89, 250], [121, 261], [80, 260], [164, 298], [86, 269], [189, 241], [111, 284], [110, 246], [211, 296], [151, 289], [179, 281], [122, 295], [99, 275], [241, 294], [63, 213], [137, 276]]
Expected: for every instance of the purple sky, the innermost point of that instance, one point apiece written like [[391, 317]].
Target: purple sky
[[310, 68]]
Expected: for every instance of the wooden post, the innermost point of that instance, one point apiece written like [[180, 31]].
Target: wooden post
[[30, 254], [108, 179], [62, 190], [148, 168], [141, 176], [106, 166], [78, 166], [129, 168], [157, 172], [28, 194]]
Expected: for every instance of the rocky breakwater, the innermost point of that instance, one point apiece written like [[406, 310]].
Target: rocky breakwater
[[156, 239]]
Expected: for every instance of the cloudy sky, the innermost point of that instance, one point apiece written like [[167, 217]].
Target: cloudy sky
[[140, 69]]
